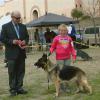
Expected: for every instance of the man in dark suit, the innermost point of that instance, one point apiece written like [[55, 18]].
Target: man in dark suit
[[15, 37]]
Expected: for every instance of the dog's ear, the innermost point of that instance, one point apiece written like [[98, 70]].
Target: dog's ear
[[44, 55]]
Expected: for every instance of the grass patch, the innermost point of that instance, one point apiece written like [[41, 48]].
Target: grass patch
[[37, 91], [37, 86]]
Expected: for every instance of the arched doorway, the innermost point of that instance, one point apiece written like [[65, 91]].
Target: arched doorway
[[35, 14]]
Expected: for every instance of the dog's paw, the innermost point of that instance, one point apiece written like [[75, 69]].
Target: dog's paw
[[78, 91], [57, 94]]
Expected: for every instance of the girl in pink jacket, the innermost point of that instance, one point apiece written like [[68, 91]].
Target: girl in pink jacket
[[63, 46]]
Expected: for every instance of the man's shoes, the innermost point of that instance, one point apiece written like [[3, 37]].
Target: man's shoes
[[21, 91], [13, 93]]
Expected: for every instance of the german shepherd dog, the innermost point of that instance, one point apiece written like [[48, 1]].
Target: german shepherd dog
[[65, 74]]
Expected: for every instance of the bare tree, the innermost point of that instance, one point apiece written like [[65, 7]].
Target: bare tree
[[92, 8]]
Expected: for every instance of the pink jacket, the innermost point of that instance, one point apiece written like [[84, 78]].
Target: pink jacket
[[63, 47]]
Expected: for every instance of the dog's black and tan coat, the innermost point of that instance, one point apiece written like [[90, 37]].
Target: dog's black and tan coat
[[65, 74]]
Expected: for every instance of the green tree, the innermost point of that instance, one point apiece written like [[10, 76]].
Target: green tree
[[77, 15]]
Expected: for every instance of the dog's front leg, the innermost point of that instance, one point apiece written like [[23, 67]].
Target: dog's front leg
[[57, 85]]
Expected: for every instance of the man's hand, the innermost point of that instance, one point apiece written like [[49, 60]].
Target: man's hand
[[23, 43], [20, 43], [15, 42], [22, 47]]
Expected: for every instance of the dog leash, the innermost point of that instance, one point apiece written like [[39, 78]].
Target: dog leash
[[48, 75], [48, 80]]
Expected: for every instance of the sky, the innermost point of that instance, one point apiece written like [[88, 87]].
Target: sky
[[1, 2]]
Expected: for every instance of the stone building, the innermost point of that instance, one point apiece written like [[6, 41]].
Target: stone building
[[32, 9]]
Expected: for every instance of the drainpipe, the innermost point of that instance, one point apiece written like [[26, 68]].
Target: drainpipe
[[24, 10]]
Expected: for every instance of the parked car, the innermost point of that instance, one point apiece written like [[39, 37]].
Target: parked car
[[89, 34]]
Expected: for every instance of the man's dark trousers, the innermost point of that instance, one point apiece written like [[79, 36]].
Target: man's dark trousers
[[16, 71]]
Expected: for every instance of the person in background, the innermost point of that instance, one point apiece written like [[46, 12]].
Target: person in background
[[47, 36], [72, 32], [42, 39], [15, 37], [53, 34], [36, 36]]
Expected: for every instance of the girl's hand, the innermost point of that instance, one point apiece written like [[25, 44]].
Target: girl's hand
[[49, 53], [73, 61]]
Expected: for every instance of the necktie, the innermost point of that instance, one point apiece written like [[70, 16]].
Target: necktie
[[17, 30], [17, 27]]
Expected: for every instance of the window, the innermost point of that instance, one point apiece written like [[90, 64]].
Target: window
[[92, 30]]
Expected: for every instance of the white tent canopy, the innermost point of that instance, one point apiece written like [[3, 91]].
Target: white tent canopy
[[4, 20]]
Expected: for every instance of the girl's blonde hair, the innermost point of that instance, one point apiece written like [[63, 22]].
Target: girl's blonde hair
[[62, 26]]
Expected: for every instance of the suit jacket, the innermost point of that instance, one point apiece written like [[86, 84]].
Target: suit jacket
[[8, 34]]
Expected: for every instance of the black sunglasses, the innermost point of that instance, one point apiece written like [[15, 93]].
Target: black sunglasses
[[17, 17]]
